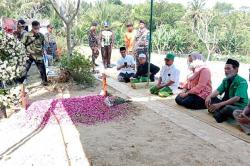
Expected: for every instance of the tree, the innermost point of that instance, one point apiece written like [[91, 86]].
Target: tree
[[162, 38], [168, 13], [31, 8], [206, 33], [196, 8], [116, 2], [24, 8], [67, 11], [223, 7]]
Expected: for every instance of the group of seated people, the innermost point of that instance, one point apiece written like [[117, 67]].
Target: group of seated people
[[196, 93], [127, 64]]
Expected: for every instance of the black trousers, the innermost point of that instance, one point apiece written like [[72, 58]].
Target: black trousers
[[125, 77], [192, 101], [223, 113], [40, 66]]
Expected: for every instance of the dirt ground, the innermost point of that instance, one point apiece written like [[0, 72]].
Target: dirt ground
[[147, 139], [144, 138]]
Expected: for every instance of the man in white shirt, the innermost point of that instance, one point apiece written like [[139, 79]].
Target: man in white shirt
[[126, 66], [169, 78]]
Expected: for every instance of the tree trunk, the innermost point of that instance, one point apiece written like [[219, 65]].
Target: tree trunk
[[69, 47], [208, 52]]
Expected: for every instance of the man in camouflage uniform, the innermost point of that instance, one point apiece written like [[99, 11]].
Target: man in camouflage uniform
[[34, 42], [141, 41], [50, 42], [93, 43], [107, 43]]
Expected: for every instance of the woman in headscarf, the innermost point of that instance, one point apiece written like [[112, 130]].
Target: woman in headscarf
[[198, 85]]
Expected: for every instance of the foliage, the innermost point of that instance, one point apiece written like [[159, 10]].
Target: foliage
[[240, 58], [223, 7], [12, 57], [24, 8], [80, 68], [12, 61], [174, 25], [10, 97], [67, 11]]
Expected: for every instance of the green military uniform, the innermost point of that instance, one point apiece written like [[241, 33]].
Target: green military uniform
[[34, 44]]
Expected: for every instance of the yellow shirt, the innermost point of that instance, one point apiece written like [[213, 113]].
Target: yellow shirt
[[129, 40]]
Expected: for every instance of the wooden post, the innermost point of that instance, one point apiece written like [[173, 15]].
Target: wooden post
[[104, 84]]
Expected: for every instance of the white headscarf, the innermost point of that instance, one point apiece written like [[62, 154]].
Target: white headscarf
[[198, 64], [198, 60]]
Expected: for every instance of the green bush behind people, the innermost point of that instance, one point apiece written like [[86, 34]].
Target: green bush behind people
[[79, 67]]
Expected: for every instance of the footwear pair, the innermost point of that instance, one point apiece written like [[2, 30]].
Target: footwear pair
[[108, 66], [45, 83]]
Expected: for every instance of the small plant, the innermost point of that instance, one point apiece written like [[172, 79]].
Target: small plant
[[79, 67]]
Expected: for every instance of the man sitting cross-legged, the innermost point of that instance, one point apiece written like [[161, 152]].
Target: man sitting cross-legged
[[126, 66], [169, 78], [235, 97], [142, 70]]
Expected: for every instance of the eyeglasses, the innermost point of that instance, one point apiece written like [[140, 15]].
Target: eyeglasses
[[36, 28], [167, 60]]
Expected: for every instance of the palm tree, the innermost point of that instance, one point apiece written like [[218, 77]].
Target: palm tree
[[196, 7]]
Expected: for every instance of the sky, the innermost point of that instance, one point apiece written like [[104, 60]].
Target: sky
[[210, 3]]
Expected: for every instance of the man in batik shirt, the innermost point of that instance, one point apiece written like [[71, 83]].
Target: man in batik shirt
[[50, 42], [141, 41], [93, 43]]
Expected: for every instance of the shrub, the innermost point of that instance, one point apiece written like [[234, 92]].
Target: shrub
[[12, 61], [79, 67], [12, 57]]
